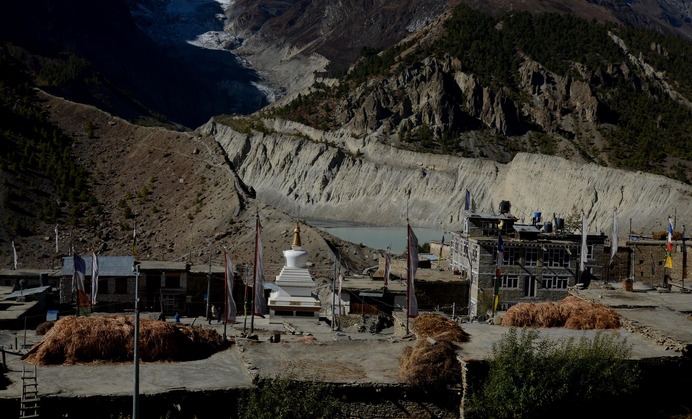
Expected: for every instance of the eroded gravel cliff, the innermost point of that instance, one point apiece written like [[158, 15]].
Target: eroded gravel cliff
[[330, 175]]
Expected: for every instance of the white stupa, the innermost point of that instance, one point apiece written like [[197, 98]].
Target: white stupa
[[292, 290]]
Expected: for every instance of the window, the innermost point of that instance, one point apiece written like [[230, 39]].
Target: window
[[121, 285], [489, 228], [552, 282], [531, 256], [168, 302], [509, 281], [557, 258], [510, 256], [172, 281], [589, 252]]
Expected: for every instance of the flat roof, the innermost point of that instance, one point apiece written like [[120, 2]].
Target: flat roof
[[488, 215], [522, 228], [108, 265], [203, 269], [29, 272], [27, 291], [146, 265]]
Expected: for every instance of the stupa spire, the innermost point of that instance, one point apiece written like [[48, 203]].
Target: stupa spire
[[296, 236]]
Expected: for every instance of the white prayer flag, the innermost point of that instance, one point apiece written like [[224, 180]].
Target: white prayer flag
[[614, 237], [94, 277], [412, 267], [231, 310], [584, 248], [14, 250]]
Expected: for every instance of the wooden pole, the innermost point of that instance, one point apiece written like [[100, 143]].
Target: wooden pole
[[208, 291], [135, 392], [254, 277]]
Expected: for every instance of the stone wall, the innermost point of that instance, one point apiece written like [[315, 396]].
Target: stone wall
[[356, 401]]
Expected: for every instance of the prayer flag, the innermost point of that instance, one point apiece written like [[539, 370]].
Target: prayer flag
[[387, 267], [94, 277], [412, 267], [500, 250], [56, 238], [341, 282], [231, 310], [442, 245], [498, 272], [467, 200], [260, 305], [584, 248], [134, 240], [78, 283], [669, 249], [614, 237], [14, 250], [684, 254]]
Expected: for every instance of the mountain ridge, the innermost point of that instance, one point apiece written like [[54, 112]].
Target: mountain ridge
[[200, 189]]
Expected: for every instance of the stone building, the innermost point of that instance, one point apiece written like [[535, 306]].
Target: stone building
[[646, 265], [166, 287], [116, 281], [163, 286], [539, 263]]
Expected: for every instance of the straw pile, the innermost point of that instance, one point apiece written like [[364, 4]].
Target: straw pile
[[438, 327], [110, 339], [432, 362], [571, 313]]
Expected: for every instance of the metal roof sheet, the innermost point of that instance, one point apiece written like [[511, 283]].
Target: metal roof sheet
[[488, 215], [108, 265], [203, 269], [371, 294], [27, 291], [28, 272], [522, 228], [162, 265]]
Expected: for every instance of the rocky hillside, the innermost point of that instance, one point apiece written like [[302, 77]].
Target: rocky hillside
[[334, 175], [339, 31], [472, 85], [552, 113], [175, 188]]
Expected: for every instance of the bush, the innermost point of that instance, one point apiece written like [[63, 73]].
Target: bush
[[532, 378], [285, 398]]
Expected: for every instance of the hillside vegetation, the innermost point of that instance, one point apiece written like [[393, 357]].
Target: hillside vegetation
[[637, 124], [40, 178]]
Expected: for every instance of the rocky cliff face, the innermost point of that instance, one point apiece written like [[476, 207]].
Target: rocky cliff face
[[335, 30], [332, 175]]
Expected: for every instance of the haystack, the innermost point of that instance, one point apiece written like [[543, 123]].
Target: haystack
[[571, 312], [438, 327], [430, 365], [432, 362], [111, 339]]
